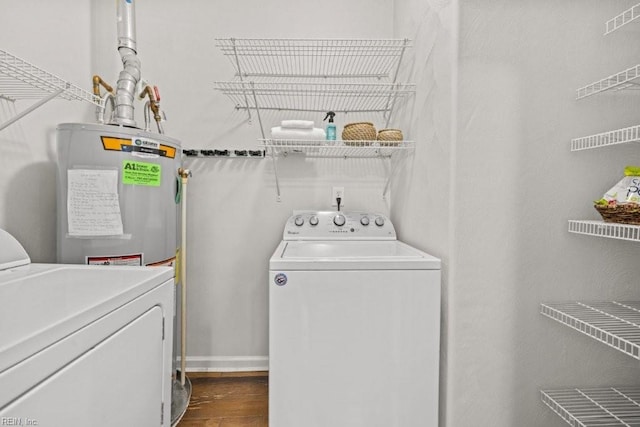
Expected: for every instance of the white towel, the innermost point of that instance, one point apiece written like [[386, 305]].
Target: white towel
[[297, 124], [315, 134]]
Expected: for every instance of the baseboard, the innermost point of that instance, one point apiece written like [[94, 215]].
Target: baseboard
[[226, 363]]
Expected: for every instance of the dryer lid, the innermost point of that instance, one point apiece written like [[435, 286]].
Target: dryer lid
[[12, 254]]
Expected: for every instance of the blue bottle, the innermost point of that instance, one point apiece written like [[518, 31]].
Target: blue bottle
[[331, 127]]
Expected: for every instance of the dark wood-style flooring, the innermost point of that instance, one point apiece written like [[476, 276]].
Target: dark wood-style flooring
[[228, 399]]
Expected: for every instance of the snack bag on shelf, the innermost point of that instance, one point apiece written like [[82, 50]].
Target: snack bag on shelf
[[627, 190]]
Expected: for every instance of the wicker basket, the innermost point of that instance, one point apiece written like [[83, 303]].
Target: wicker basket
[[356, 133], [623, 213], [390, 137]]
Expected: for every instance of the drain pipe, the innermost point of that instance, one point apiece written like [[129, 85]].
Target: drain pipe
[[129, 77]]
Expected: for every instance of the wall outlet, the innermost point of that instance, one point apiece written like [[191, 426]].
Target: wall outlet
[[335, 193]]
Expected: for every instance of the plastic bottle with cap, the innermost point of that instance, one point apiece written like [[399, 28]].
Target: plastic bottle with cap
[[331, 127]]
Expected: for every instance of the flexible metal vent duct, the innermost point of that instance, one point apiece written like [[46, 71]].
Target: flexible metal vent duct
[[130, 75]]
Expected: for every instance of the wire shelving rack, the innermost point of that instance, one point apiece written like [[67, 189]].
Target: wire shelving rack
[[622, 19], [596, 407], [20, 80], [626, 79], [614, 323], [351, 149], [605, 229], [319, 58], [316, 97], [613, 137], [317, 75]]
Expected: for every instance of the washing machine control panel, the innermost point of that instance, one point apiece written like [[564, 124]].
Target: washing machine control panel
[[333, 225]]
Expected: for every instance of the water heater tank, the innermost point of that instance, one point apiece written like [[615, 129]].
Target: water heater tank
[[118, 196]]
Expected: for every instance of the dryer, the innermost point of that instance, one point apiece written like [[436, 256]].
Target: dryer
[[83, 345], [354, 325]]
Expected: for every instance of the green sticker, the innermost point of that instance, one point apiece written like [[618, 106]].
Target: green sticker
[[140, 173]]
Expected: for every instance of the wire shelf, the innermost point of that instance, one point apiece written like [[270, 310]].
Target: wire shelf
[[22, 80], [622, 19], [337, 149], [320, 58], [616, 324], [605, 229], [614, 137], [316, 97], [623, 80], [591, 407]]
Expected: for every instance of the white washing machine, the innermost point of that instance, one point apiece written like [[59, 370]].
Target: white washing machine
[[83, 345], [354, 325]]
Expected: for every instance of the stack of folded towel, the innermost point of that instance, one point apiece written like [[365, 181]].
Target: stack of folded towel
[[298, 129]]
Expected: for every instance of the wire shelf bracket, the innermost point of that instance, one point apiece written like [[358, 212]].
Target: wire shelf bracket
[[591, 407], [20, 79], [626, 17]]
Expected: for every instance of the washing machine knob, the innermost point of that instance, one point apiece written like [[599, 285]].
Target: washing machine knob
[[313, 220], [339, 220], [364, 220], [379, 221], [298, 221]]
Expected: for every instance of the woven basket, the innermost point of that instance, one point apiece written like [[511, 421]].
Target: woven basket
[[389, 137], [624, 213], [356, 133]]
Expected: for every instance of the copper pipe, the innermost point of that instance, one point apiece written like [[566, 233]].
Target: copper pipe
[[153, 102], [97, 82]]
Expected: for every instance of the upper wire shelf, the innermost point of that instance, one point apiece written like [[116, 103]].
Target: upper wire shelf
[[605, 229], [622, 19], [320, 58], [316, 97], [623, 80], [596, 407], [616, 324], [20, 79], [613, 137], [334, 149]]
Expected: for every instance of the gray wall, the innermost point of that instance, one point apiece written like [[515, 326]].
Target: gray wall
[[489, 189]]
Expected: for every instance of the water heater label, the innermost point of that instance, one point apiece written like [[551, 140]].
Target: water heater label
[[140, 147], [119, 260], [141, 173]]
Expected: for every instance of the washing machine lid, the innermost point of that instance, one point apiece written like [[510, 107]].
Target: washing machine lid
[[43, 303], [351, 255]]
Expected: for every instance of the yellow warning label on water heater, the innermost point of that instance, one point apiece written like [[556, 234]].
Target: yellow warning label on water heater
[[141, 173], [138, 145]]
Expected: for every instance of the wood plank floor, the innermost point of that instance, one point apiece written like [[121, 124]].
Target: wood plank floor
[[228, 399]]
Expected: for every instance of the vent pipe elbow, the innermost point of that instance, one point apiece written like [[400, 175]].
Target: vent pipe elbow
[[130, 75]]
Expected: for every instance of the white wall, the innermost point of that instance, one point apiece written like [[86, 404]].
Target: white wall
[[515, 185], [47, 36], [422, 193]]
